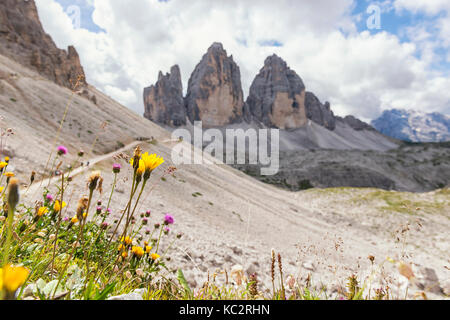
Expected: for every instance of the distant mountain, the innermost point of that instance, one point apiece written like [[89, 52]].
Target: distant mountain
[[414, 126]]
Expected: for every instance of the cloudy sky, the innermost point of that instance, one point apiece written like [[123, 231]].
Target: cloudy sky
[[344, 51]]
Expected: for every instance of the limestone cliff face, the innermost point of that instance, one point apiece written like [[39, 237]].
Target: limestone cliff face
[[214, 92], [23, 39], [318, 112], [164, 102], [277, 96]]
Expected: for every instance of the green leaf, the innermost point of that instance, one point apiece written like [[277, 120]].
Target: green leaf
[[105, 292], [87, 293], [183, 282]]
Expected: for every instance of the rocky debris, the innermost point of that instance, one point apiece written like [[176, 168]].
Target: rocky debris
[[277, 96], [446, 288], [23, 39], [125, 297], [86, 94], [318, 112], [355, 123], [164, 102], [428, 281], [94, 99], [214, 92], [309, 265]]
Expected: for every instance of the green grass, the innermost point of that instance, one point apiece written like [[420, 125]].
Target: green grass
[[400, 202]]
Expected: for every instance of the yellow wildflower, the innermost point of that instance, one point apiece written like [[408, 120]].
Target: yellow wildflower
[[57, 206], [141, 168], [147, 249], [9, 174], [42, 211], [120, 248], [124, 254], [155, 256], [137, 251], [74, 220], [127, 240], [3, 164], [151, 162], [6, 159], [11, 278], [1, 189]]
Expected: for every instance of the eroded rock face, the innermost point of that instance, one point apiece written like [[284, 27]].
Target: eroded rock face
[[214, 92], [318, 112], [23, 39], [277, 96], [164, 102]]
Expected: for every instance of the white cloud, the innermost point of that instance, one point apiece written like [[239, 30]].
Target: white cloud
[[430, 7], [358, 73]]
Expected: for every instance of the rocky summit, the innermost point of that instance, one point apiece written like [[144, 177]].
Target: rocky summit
[[164, 102], [318, 112], [23, 39], [214, 93], [277, 96]]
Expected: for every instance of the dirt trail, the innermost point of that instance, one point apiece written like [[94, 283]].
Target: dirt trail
[[38, 184]]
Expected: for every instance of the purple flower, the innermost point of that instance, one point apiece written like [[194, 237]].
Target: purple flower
[[166, 230], [108, 211], [62, 150], [105, 225], [147, 231], [116, 167], [99, 210], [168, 219], [49, 197], [145, 221], [147, 213], [65, 219]]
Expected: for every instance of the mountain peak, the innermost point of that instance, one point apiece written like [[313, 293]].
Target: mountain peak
[[414, 126], [163, 101], [214, 92], [23, 39], [216, 46], [277, 96]]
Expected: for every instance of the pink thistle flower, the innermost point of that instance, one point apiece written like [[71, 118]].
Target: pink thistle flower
[[62, 150], [49, 197], [168, 219], [116, 167]]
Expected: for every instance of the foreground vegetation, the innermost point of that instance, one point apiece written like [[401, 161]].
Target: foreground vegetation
[[47, 255]]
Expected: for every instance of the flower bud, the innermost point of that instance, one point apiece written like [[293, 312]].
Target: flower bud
[[13, 193], [116, 168]]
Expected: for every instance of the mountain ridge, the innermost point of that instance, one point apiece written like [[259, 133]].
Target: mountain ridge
[[278, 98], [414, 126]]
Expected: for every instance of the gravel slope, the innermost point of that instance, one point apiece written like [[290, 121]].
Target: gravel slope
[[227, 217]]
